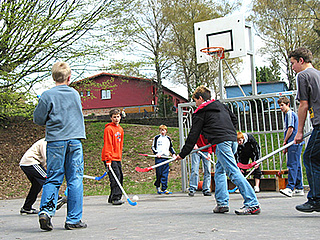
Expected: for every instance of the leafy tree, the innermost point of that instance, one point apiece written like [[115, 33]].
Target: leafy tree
[[182, 14], [284, 25], [35, 34], [268, 74], [165, 106]]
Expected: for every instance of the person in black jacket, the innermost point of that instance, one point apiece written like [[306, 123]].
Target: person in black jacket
[[217, 124], [249, 148]]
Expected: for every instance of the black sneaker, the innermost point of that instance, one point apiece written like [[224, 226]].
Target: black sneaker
[[61, 202], [309, 206], [45, 222], [207, 194], [79, 225], [248, 210], [117, 202], [31, 211], [221, 209]]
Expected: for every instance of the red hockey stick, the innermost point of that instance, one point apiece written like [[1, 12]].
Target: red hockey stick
[[138, 169], [250, 165]]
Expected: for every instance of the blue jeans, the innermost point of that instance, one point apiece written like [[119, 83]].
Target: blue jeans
[[64, 158], [311, 160], [294, 167], [194, 178], [226, 164], [162, 173]]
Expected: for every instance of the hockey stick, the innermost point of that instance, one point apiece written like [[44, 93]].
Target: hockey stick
[[250, 165], [138, 169], [264, 158], [119, 184], [95, 178], [155, 156], [203, 155]]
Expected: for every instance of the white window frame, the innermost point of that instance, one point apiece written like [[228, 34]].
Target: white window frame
[[105, 94]]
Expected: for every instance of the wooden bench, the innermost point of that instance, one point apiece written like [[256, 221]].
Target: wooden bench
[[274, 183]]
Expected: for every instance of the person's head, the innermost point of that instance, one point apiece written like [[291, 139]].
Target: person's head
[[163, 130], [115, 116], [284, 104], [61, 72], [300, 59], [201, 94], [240, 138]]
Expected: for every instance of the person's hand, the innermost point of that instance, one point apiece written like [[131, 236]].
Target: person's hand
[[158, 155], [298, 138], [209, 156], [178, 158], [241, 170], [174, 156], [256, 166], [108, 164]]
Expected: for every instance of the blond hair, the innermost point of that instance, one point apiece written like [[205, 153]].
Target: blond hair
[[163, 127], [60, 72]]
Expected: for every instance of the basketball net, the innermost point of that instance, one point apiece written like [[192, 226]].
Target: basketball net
[[216, 54]]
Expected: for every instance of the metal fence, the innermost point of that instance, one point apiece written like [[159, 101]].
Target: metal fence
[[258, 115]]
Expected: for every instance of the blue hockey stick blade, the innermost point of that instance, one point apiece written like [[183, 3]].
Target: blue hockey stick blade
[[99, 178], [232, 190], [131, 203]]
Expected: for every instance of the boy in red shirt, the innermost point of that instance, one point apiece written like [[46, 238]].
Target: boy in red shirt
[[112, 153]]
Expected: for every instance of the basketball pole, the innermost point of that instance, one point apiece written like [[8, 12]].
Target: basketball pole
[[221, 85]]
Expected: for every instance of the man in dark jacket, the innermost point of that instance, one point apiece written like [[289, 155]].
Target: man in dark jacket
[[217, 123]]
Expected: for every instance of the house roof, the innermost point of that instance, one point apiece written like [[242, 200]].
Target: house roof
[[128, 77]]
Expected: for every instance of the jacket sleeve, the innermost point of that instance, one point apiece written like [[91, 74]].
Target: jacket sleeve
[[197, 125], [171, 147], [40, 114], [107, 145], [154, 145], [255, 148]]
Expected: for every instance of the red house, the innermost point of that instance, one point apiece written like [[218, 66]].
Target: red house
[[104, 91]]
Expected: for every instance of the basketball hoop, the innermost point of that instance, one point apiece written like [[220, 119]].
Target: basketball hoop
[[217, 52]]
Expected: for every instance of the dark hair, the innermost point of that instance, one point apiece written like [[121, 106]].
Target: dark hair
[[284, 100], [202, 91], [114, 111], [303, 53]]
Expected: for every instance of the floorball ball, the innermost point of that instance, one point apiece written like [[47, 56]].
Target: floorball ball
[[135, 198]]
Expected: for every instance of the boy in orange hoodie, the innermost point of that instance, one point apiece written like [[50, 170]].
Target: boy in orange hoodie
[[112, 154]]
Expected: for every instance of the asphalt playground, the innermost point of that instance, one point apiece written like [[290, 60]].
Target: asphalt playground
[[175, 216]]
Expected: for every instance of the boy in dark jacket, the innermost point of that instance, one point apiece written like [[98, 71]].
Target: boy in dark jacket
[[217, 124], [249, 148]]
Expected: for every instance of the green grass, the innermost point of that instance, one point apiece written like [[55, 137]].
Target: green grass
[[137, 139]]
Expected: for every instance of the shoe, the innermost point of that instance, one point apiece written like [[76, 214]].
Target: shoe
[[167, 192], [61, 202], [159, 191], [70, 226], [248, 210], [309, 206], [237, 190], [298, 192], [191, 194], [287, 192], [207, 194], [221, 209], [45, 222], [31, 211], [117, 202], [256, 189]]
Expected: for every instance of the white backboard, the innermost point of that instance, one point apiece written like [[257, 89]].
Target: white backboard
[[226, 32]]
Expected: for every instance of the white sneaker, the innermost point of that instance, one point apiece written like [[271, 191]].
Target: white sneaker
[[298, 192], [256, 189], [237, 190], [287, 192]]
